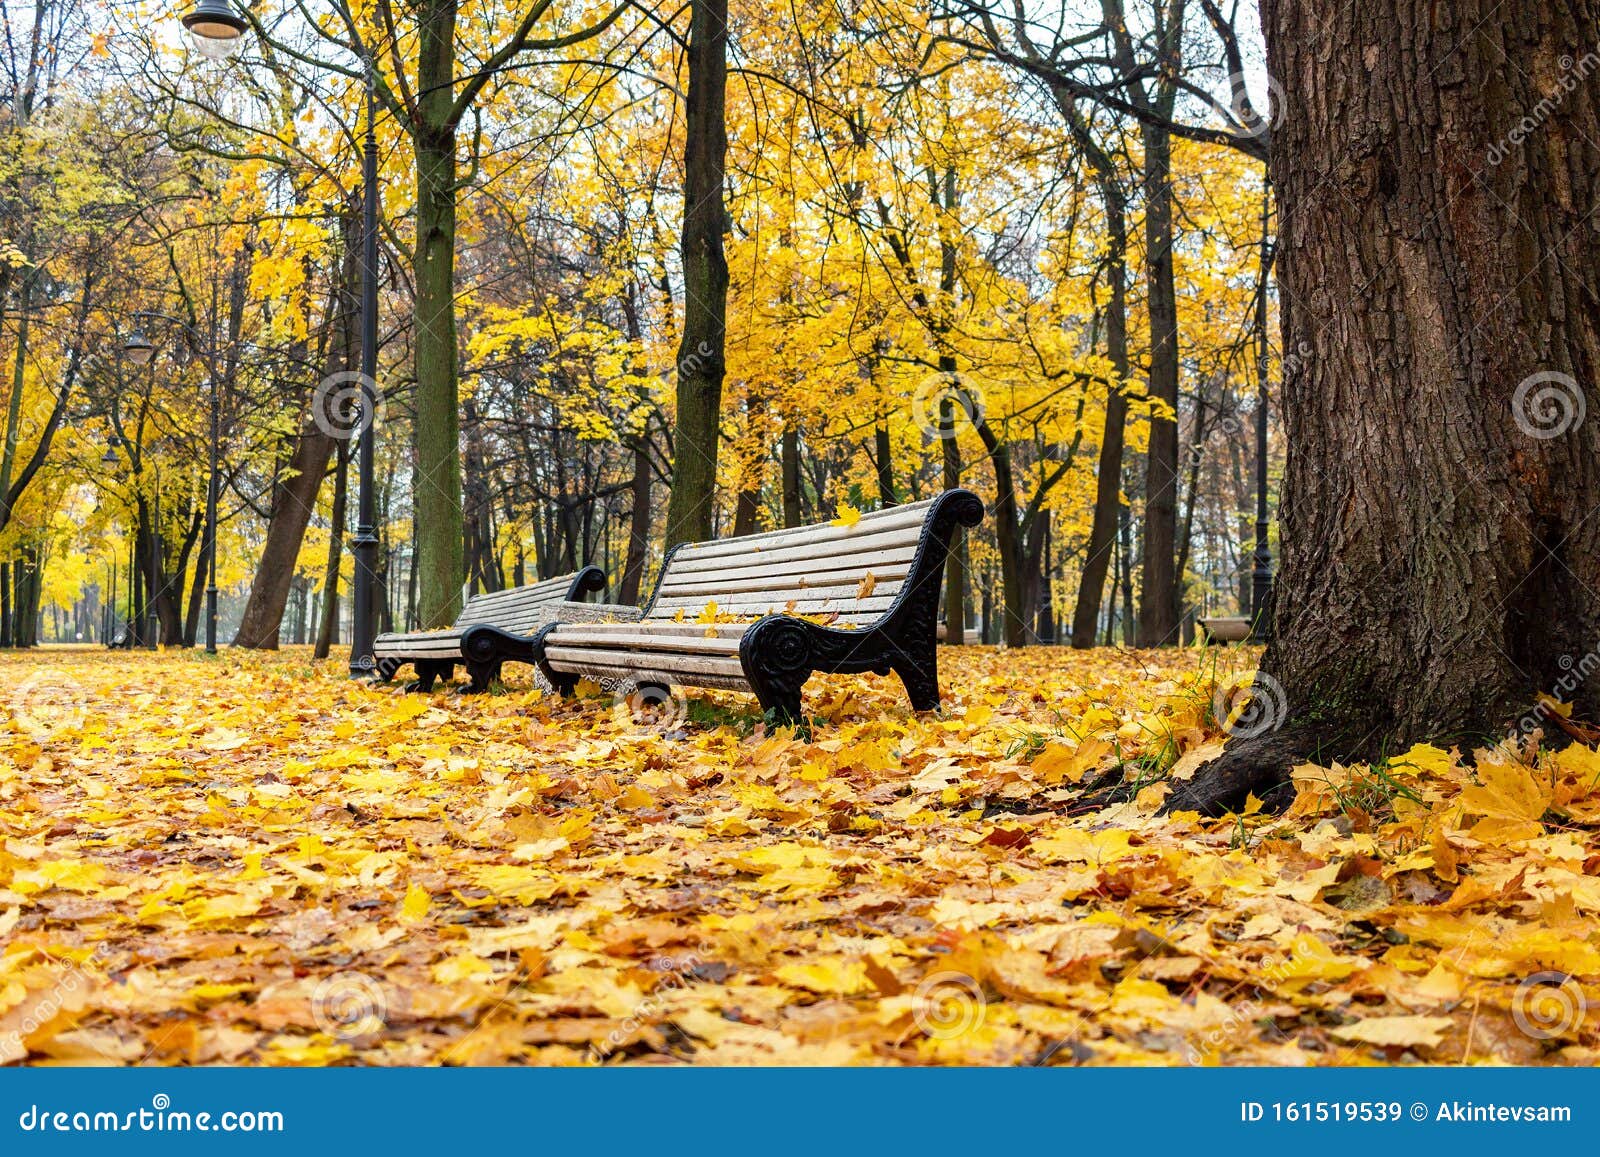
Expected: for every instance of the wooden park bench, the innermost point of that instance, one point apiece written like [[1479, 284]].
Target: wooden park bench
[[492, 629], [1229, 629], [838, 599]]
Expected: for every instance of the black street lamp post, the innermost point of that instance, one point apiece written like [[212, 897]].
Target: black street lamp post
[[366, 540], [216, 28]]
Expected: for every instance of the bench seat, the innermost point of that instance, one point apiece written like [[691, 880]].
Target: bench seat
[[762, 612], [491, 630]]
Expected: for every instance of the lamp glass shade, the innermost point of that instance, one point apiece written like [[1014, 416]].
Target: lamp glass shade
[[215, 28], [139, 348]]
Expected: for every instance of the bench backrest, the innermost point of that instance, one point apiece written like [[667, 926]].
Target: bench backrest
[[853, 571], [517, 609]]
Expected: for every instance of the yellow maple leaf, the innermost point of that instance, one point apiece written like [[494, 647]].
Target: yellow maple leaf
[[830, 976], [1311, 959], [416, 904], [848, 516], [1510, 800], [1074, 845], [1395, 1031], [1058, 763]]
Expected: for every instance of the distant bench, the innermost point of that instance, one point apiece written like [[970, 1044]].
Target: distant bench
[[492, 629], [875, 583], [1231, 629]]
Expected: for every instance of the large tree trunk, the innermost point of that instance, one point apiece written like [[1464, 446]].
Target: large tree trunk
[[705, 279], [791, 471], [1108, 479], [638, 527], [328, 632], [440, 565], [1158, 605], [1440, 271]]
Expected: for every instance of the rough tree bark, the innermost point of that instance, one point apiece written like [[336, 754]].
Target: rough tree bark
[[1108, 477], [705, 279], [440, 563], [328, 632], [1440, 277]]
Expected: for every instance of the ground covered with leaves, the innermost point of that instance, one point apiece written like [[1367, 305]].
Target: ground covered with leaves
[[251, 860]]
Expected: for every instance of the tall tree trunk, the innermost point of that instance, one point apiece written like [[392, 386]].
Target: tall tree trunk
[[1008, 539], [327, 633], [191, 616], [955, 566], [883, 461], [1158, 606], [705, 279], [638, 527], [790, 453], [745, 510], [1440, 558], [1108, 478], [13, 426], [440, 564]]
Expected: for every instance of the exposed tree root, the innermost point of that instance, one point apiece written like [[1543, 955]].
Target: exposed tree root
[[1259, 765]]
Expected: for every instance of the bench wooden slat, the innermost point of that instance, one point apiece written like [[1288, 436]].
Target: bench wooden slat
[[663, 627], [770, 602], [778, 594], [801, 552], [646, 640], [665, 663], [895, 517], [884, 564]]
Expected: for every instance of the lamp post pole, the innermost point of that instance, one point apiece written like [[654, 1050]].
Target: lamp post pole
[[366, 539], [211, 487]]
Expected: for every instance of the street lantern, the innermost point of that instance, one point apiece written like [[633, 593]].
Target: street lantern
[[139, 348], [215, 28], [109, 458]]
